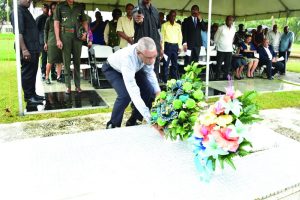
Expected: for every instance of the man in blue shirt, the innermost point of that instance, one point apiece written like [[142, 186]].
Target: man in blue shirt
[[97, 27], [130, 71], [285, 45]]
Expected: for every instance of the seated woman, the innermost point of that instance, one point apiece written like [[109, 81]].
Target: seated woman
[[238, 64], [248, 49]]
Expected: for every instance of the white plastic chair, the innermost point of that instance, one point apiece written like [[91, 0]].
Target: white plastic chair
[[101, 53], [84, 59]]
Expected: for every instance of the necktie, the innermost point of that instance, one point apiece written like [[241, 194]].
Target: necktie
[[195, 22]]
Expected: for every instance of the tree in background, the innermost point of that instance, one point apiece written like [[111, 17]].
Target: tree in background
[[292, 22], [4, 15]]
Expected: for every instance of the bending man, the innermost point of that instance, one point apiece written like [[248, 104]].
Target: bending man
[[130, 71]]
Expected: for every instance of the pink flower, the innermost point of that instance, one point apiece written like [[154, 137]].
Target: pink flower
[[227, 98], [224, 142], [219, 108], [202, 131]]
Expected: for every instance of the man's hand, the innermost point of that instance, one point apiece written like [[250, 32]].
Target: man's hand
[[83, 38], [185, 47], [46, 47], [159, 129], [199, 16], [26, 55], [130, 40], [90, 44], [139, 18], [161, 53], [59, 44], [274, 59]]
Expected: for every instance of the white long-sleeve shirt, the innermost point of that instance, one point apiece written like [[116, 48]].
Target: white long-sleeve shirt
[[224, 38], [274, 39], [127, 62]]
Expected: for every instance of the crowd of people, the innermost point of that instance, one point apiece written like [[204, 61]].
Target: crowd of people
[[142, 39]]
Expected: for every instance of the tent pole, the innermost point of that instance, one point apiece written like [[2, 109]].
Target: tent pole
[[208, 50], [18, 57]]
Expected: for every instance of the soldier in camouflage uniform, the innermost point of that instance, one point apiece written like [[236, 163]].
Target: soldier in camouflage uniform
[[66, 24]]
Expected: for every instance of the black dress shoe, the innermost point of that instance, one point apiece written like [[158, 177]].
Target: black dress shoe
[[39, 97], [271, 78], [34, 101], [109, 125]]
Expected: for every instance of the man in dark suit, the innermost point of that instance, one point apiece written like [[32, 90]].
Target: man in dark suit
[[191, 31], [30, 48], [267, 57], [147, 24]]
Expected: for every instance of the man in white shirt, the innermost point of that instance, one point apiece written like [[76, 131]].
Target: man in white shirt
[[130, 71], [224, 40], [274, 38]]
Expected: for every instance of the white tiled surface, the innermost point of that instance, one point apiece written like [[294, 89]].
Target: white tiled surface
[[136, 163]]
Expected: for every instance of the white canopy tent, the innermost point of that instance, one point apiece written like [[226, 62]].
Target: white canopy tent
[[241, 9]]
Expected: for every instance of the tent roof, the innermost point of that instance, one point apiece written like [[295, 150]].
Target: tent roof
[[242, 9]]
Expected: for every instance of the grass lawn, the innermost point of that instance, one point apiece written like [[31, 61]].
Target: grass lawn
[[296, 48], [7, 52], [293, 66]]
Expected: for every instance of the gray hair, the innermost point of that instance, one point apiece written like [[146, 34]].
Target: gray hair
[[146, 43]]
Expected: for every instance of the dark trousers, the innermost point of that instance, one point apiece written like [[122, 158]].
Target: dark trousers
[[43, 61], [29, 71], [277, 67], [285, 55], [171, 50], [115, 78], [226, 58], [194, 56]]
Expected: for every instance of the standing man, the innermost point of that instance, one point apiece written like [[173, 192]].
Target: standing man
[[125, 27], [171, 43], [130, 72], [40, 22], [111, 37], [30, 49], [191, 31], [66, 22], [285, 46], [224, 40], [97, 28], [147, 24], [274, 38]]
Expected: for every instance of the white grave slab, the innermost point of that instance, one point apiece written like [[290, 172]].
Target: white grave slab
[[137, 163]]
